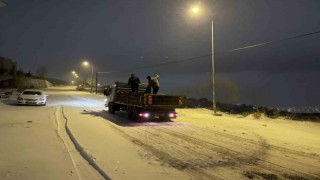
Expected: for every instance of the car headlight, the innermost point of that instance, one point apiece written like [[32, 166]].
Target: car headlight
[[20, 98], [41, 99]]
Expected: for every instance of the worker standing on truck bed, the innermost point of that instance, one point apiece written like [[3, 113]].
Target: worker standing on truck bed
[[134, 83], [153, 82]]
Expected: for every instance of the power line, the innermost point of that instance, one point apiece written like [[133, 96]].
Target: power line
[[233, 50], [160, 64], [269, 42]]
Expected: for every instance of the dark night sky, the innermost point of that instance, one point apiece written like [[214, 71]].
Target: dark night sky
[[116, 35]]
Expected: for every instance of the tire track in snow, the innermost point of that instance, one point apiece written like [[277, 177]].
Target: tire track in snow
[[269, 165], [169, 159], [247, 159], [78, 157], [291, 151], [176, 163], [272, 150]]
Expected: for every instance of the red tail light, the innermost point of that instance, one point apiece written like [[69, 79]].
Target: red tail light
[[173, 115], [146, 115]]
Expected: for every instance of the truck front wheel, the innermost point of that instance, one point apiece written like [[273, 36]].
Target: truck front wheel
[[111, 108]]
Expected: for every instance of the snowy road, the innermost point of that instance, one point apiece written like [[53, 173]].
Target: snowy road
[[197, 145]]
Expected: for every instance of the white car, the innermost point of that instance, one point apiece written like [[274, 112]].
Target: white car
[[32, 97], [3, 94]]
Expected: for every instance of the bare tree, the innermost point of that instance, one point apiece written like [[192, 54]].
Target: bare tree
[[29, 74], [42, 71], [20, 72]]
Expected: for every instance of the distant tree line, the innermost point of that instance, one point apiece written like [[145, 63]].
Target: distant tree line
[[20, 78], [21, 73], [41, 72]]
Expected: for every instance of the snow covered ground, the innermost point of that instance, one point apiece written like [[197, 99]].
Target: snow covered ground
[[74, 137]]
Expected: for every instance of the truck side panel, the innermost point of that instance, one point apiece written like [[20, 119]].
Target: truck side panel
[[125, 96], [164, 100]]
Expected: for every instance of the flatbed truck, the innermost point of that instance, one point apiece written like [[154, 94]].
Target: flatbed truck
[[140, 105]]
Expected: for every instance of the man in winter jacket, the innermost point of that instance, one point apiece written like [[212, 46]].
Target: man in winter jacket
[[153, 82], [134, 82]]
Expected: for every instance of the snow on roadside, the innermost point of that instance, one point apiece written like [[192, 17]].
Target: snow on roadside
[[30, 147], [281, 132]]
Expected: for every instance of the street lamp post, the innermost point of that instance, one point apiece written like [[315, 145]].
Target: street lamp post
[[86, 63], [76, 75], [214, 107], [91, 78], [97, 79], [97, 82], [213, 77], [77, 80]]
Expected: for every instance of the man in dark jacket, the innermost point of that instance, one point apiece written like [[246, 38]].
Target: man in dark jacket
[[153, 82], [134, 83]]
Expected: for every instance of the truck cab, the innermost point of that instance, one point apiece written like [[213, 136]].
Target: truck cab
[[109, 93]]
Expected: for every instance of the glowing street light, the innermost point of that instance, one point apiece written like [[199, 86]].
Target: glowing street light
[[196, 10], [75, 75], [86, 63]]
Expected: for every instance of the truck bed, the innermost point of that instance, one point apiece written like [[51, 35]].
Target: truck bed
[[142, 99]]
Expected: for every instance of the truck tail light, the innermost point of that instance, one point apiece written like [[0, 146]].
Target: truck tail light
[[146, 115], [173, 115]]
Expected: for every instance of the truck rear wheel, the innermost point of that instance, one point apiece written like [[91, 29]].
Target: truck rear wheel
[[132, 114], [164, 118], [111, 108]]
